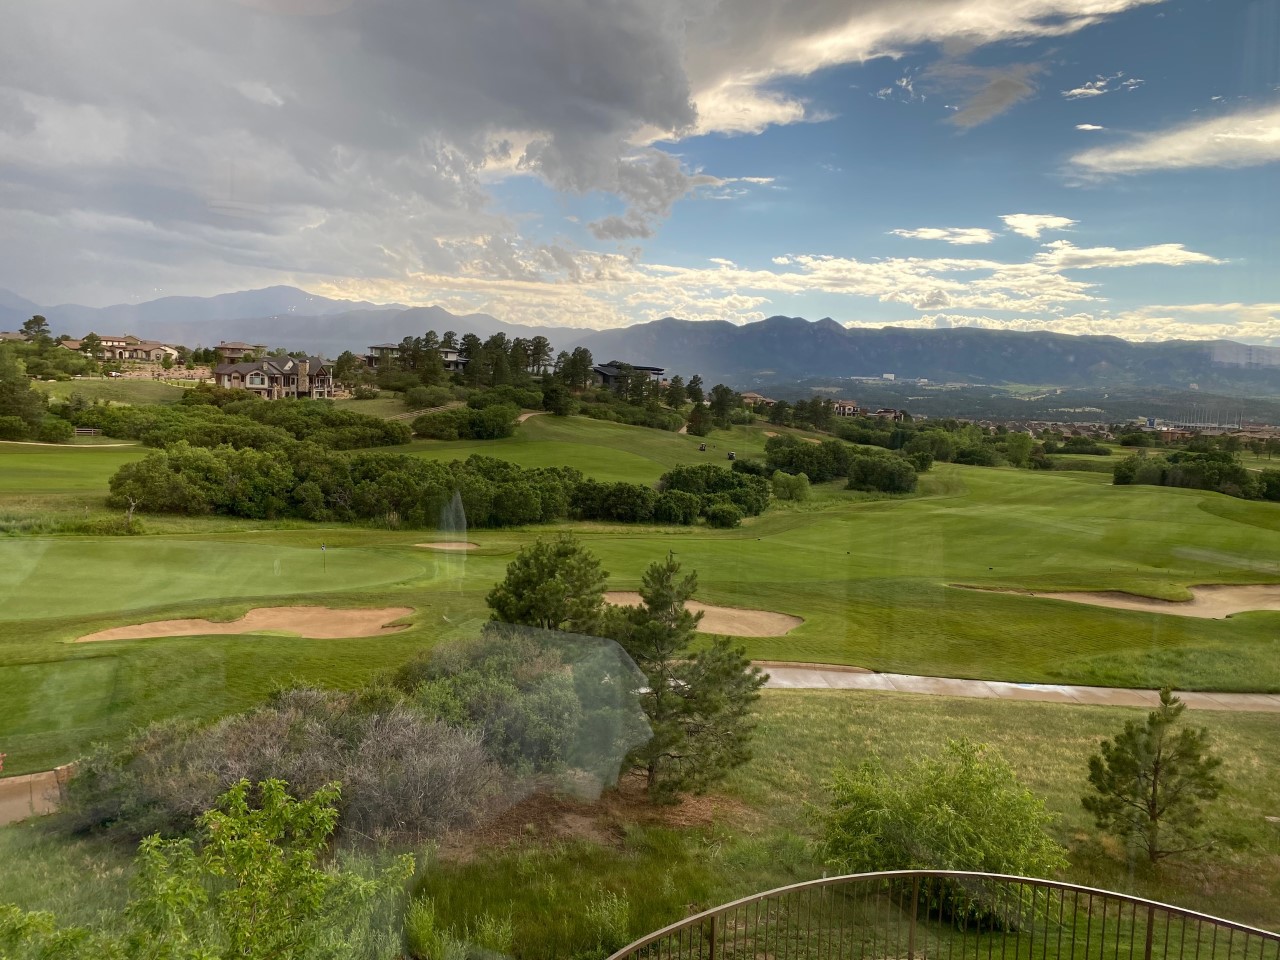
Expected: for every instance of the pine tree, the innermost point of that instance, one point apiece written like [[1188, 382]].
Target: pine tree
[[1151, 781], [698, 703]]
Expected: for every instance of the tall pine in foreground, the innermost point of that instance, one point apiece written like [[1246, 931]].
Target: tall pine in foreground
[[698, 703], [1152, 780]]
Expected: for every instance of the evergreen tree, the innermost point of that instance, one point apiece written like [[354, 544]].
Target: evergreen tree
[[694, 390], [675, 397], [698, 703], [555, 585], [1152, 780]]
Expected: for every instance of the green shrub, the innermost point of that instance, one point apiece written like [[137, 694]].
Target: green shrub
[[676, 506], [13, 428], [788, 487], [365, 392], [723, 516], [55, 430], [962, 809]]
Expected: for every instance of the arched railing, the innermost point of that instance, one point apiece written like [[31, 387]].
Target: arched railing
[[950, 915]]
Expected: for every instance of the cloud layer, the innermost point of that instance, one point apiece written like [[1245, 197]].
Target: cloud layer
[[192, 146]]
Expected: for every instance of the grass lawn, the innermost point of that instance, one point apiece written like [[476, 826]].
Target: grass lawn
[[388, 403], [30, 469], [606, 451], [113, 390], [874, 578]]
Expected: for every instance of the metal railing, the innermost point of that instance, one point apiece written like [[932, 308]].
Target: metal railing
[[950, 915]]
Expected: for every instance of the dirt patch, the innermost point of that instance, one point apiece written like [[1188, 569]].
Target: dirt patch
[[313, 623], [1210, 602], [449, 545], [547, 817], [731, 621]]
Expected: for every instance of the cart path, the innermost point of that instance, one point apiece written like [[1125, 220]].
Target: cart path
[[818, 676]]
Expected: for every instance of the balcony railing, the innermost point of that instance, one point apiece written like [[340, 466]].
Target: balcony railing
[[947, 915]]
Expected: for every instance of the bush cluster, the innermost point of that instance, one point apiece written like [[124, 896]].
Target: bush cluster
[[713, 486], [820, 462], [1216, 470], [403, 773], [210, 421], [491, 422], [305, 480]]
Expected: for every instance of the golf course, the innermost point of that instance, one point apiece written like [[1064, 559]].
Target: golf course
[[197, 617]]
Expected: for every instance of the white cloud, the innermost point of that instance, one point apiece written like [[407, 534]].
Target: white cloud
[[1089, 126], [1063, 255], [550, 285], [1033, 224], [1102, 84], [1242, 139], [1257, 323], [960, 236]]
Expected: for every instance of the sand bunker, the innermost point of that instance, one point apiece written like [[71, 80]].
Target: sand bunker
[[1208, 602], [732, 621], [313, 623], [449, 545]]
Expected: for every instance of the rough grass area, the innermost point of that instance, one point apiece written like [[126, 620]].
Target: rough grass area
[[759, 837], [570, 875], [114, 390]]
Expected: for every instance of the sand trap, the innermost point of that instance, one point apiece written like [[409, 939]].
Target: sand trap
[[1207, 602], [449, 545], [770, 433], [313, 623], [732, 621]]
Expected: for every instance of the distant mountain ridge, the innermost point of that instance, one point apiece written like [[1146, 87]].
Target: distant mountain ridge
[[773, 351]]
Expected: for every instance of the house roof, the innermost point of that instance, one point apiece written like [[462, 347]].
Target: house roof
[[385, 346], [273, 366], [237, 345]]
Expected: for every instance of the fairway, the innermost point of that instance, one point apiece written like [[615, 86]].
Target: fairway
[[116, 575], [31, 469], [606, 451]]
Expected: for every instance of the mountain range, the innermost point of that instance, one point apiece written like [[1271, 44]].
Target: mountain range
[[778, 350]]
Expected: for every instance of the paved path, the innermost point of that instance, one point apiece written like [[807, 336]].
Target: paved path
[[530, 413], [817, 676]]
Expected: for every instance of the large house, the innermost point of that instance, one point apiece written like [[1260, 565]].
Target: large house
[[127, 347], [276, 378], [380, 354], [614, 372], [844, 408], [234, 351], [757, 400]]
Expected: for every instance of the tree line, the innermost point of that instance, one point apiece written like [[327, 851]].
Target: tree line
[[1215, 470], [308, 481]]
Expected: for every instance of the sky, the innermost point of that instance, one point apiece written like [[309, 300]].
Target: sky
[[1080, 166]]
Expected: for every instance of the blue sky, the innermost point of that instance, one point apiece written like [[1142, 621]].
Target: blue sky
[[1087, 166]]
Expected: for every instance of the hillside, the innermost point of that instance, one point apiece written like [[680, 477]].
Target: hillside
[[773, 351]]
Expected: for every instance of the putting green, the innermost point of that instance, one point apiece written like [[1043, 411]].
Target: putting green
[[43, 578]]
